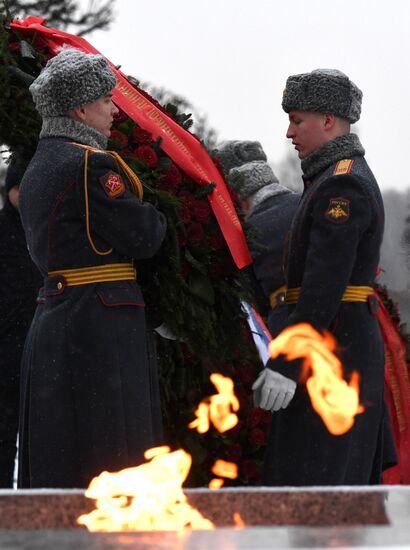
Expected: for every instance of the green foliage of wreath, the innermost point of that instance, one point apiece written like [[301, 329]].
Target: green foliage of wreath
[[192, 287]]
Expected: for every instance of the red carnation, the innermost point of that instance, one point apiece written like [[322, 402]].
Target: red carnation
[[187, 198], [257, 437], [121, 116], [202, 211], [119, 140], [195, 233], [141, 136], [172, 175], [146, 154], [170, 180], [254, 417]]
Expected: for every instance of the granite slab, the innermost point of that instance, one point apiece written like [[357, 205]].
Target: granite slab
[[53, 509]]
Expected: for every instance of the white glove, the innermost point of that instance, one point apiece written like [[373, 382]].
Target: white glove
[[272, 391], [165, 332]]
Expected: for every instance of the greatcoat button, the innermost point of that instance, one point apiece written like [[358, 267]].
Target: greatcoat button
[[60, 285]]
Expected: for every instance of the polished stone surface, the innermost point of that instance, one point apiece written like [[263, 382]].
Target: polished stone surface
[[223, 538], [53, 509], [392, 532]]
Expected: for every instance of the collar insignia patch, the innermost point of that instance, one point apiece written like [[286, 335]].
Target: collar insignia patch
[[112, 184], [338, 210], [343, 167]]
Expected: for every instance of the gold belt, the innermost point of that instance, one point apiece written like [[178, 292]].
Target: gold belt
[[352, 293], [278, 296], [97, 274]]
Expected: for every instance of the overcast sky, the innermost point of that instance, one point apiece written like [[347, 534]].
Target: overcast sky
[[231, 58]]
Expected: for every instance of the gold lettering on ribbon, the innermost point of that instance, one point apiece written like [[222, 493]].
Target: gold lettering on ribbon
[[165, 127], [231, 213], [129, 92], [162, 123], [156, 117]]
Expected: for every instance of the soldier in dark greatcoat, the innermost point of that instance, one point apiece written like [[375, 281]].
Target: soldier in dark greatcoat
[[20, 281], [269, 209], [89, 399], [332, 261]]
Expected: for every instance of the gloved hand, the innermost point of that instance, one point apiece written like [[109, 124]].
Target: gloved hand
[[165, 332], [272, 391]]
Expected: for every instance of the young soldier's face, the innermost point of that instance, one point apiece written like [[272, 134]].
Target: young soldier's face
[[14, 196], [307, 131], [100, 114]]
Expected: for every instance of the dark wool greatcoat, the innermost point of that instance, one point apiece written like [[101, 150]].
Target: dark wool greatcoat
[[89, 399], [19, 284], [271, 220], [335, 241]]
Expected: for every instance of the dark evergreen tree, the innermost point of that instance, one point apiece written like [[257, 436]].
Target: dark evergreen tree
[[62, 14], [21, 127]]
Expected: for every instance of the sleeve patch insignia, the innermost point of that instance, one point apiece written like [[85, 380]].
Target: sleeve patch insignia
[[343, 167], [338, 210], [112, 184]]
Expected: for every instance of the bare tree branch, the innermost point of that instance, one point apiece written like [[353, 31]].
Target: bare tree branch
[[63, 13]]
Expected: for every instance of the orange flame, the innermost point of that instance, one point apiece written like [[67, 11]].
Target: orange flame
[[150, 497], [335, 400], [217, 408], [239, 523], [215, 483], [223, 469], [145, 498]]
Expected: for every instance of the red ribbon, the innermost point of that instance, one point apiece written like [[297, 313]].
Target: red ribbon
[[181, 146], [397, 394]]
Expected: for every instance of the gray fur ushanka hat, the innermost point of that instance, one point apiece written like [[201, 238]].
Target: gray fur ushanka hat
[[71, 79], [250, 177], [323, 91], [232, 153]]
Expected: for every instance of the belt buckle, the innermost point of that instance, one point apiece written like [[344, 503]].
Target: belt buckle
[[280, 298]]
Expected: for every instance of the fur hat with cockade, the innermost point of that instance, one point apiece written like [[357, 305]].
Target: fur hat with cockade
[[250, 177], [232, 153], [71, 79], [323, 91]]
